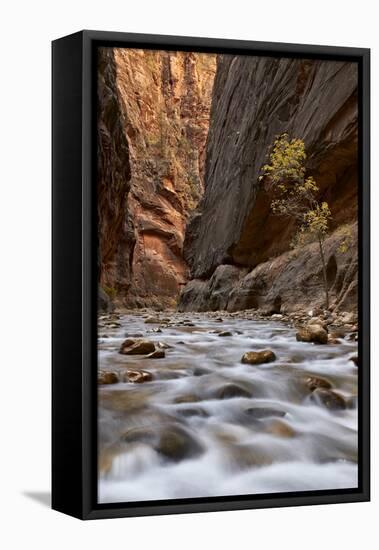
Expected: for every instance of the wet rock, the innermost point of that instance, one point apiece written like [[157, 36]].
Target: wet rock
[[106, 377], [226, 333], [312, 333], [133, 335], [138, 376], [354, 358], [244, 456], [113, 325], [277, 316], [280, 429], [136, 347], [140, 435], [199, 371], [157, 354], [329, 398], [257, 413], [177, 444], [337, 333], [318, 321], [153, 320], [315, 382], [231, 390], [163, 345], [125, 401], [258, 357], [333, 341]]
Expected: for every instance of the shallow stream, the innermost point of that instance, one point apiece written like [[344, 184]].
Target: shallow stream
[[208, 425]]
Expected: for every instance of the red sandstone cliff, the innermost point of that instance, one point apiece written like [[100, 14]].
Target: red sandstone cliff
[[159, 103]]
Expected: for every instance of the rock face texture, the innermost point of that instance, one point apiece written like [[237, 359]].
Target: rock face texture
[[153, 124], [290, 282], [255, 99], [115, 226]]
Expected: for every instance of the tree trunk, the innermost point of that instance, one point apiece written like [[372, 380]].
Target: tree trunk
[[324, 272]]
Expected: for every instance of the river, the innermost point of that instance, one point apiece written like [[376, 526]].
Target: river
[[209, 425]]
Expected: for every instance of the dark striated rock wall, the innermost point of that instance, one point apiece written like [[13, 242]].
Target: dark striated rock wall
[[115, 226], [254, 99], [292, 281]]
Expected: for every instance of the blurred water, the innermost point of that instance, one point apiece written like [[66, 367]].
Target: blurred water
[[309, 447]]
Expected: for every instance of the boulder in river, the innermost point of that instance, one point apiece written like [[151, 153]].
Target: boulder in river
[[329, 398], [107, 377], [177, 444], [138, 376], [315, 382], [258, 357], [156, 354], [232, 390], [137, 347], [312, 333], [226, 333], [153, 320]]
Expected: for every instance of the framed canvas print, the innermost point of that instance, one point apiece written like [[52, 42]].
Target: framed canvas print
[[210, 274]]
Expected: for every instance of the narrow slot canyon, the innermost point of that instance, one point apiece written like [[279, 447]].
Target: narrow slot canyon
[[221, 370]]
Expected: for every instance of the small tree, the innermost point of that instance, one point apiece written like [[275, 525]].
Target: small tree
[[294, 194]]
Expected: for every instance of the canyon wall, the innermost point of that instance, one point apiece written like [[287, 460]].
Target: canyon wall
[[153, 120], [116, 236], [238, 252]]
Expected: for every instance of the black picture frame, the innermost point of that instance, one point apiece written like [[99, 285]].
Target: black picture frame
[[74, 295]]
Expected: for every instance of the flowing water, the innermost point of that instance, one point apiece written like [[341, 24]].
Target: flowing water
[[208, 425]]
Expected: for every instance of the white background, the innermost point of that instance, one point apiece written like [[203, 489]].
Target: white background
[[27, 28]]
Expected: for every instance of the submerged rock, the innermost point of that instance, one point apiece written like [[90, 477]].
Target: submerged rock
[[258, 357], [280, 428], [315, 382], [177, 444], [226, 333], [232, 390], [189, 398], [193, 411], [329, 398], [199, 371], [312, 333], [104, 377], [137, 347], [257, 413], [153, 320]]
